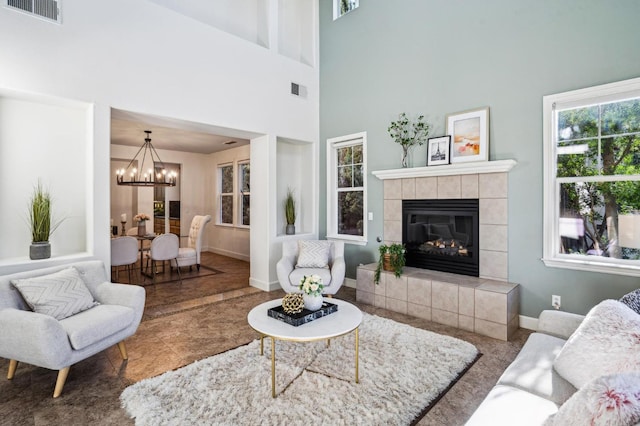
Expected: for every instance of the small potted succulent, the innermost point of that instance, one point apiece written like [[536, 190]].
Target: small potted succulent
[[391, 259]]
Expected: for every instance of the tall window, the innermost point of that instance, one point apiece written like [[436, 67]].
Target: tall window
[[342, 7], [592, 178], [346, 188], [244, 200], [225, 177]]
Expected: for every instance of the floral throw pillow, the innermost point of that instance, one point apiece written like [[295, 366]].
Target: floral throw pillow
[[632, 300], [607, 400], [606, 342]]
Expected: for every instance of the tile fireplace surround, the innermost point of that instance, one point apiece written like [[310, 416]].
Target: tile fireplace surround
[[487, 305]]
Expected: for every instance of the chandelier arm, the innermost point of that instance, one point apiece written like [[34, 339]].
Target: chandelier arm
[[134, 157], [153, 151]]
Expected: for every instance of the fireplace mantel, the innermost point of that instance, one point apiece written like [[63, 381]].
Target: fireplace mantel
[[471, 168]]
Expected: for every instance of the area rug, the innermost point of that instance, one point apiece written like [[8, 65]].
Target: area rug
[[172, 277], [402, 371]]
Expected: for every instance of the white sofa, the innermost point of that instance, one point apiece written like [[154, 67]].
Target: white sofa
[[530, 390]]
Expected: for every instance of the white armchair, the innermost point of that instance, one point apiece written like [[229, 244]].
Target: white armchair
[[42, 340], [290, 271], [190, 255]]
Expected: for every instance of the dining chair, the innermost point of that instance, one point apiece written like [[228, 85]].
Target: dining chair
[[124, 252], [190, 255], [163, 247]]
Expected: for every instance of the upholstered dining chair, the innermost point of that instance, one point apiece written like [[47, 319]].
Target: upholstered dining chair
[[190, 255], [163, 247], [308, 257], [124, 252]]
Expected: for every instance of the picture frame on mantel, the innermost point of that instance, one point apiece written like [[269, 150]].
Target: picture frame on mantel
[[469, 131], [438, 150]]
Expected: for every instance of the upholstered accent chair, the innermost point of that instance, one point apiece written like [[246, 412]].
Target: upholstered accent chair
[[308, 257], [124, 252], [164, 248], [30, 336], [190, 255]]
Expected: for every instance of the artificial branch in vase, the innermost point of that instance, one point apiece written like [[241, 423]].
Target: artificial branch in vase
[[409, 134]]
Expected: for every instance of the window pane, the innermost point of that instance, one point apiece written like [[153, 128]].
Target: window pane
[[344, 177], [246, 202], [345, 156], [578, 158], [621, 155], [226, 209], [245, 176], [357, 176], [578, 123], [350, 213], [590, 221], [226, 183], [357, 154], [621, 117]]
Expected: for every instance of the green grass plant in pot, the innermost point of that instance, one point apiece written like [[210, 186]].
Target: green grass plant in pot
[[40, 223], [290, 212], [391, 259]]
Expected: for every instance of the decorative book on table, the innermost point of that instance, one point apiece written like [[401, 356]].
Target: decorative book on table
[[302, 317]]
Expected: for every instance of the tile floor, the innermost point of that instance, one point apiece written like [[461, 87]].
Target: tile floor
[[204, 316]]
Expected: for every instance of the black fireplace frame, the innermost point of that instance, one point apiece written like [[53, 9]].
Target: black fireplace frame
[[463, 265]]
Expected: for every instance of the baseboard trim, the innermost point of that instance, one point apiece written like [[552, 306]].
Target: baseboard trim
[[349, 282], [263, 285], [227, 253], [528, 322]]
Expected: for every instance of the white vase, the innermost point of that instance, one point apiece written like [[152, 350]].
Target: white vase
[[312, 303]]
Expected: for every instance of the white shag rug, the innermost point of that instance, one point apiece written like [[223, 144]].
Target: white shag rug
[[402, 370]]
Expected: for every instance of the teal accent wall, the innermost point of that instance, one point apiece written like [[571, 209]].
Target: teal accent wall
[[435, 57]]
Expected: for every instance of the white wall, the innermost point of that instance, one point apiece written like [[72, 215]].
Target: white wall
[[137, 56], [42, 139]]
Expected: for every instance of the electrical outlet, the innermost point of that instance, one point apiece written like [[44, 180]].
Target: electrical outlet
[[556, 301]]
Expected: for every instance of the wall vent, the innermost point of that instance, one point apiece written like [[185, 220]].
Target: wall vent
[[45, 9]]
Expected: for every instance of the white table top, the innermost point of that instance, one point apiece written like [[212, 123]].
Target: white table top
[[346, 319]]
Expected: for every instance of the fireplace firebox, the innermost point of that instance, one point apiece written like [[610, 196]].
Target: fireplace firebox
[[442, 235]]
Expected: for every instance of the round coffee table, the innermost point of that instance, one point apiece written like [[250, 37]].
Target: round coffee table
[[347, 319]]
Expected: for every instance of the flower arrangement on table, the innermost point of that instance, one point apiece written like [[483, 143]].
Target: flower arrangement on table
[[141, 217], [311, 285]]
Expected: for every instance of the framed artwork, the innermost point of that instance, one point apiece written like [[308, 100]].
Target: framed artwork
[[438, 150], [469, 132]]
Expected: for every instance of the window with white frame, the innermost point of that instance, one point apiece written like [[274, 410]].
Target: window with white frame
[[225, 197], [342, 7], [592, 178], [347, 188], [244, 185]]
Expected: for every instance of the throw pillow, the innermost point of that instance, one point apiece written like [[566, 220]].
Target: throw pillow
[[607, 400], [313, 254], [632, 300], [606, 342], [59, 295]]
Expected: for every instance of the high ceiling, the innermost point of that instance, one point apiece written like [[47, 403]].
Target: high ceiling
[[128, 128]]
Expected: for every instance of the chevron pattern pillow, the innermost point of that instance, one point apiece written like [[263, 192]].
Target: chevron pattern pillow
[[632, 300], [60, 295], [313, 254]]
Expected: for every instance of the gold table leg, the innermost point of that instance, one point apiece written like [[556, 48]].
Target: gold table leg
[[357, 340], [261, 344], [273, 367]]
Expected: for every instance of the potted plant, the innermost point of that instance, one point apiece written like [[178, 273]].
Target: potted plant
[[391, 259], [408, 134], [40, 223], [290, 212]]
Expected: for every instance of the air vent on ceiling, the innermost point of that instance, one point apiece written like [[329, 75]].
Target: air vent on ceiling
[[46, 9]]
